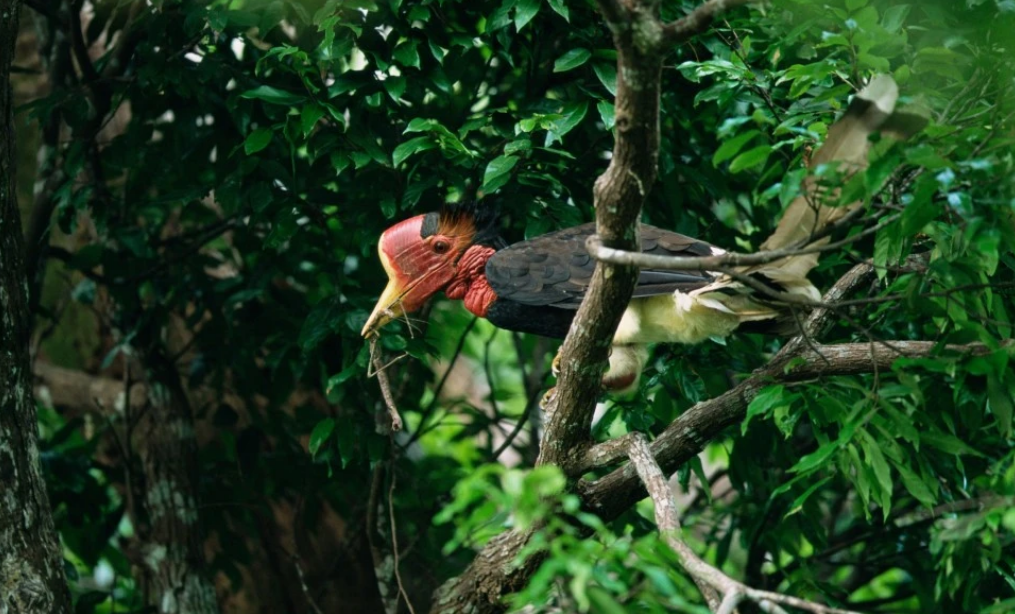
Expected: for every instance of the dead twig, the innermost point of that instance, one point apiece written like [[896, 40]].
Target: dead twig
[[712, 582], [394, 539], [382, 381]]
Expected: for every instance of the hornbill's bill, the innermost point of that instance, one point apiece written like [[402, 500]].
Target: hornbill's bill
[[537, 285]]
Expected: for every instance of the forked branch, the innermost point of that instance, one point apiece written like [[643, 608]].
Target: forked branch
[[697, 21], [709, 578]]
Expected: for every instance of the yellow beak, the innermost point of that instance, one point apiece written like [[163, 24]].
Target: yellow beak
[[388, 308]]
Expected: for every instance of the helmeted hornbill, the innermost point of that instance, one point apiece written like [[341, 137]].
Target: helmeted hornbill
[[536, 286]]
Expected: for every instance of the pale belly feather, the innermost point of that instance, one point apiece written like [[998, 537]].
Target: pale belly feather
[[675, 318]]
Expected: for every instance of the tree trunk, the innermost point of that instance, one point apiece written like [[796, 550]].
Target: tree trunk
[[31, 566], [174, 557]]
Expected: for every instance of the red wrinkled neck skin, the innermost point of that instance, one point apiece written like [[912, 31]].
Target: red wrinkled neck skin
[[469, 283]]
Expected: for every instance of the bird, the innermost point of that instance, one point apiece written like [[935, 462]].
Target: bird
[[536, 286]]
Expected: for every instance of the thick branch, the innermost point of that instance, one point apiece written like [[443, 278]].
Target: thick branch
[[619, 193], [687, 435], [31, 566], [83, 392], [697, 21]]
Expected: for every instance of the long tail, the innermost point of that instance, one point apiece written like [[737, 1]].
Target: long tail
[[847, 145]]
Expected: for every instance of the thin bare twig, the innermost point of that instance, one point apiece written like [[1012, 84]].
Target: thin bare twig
[[303, 584], [382, 381], [530, 404], [597, 250], [394, 540]]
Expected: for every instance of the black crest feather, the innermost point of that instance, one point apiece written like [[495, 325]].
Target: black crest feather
[[482, 215]]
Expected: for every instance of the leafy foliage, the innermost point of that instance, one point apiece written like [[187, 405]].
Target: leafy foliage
[[267, 144]]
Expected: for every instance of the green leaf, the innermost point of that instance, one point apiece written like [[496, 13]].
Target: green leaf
[[816, 459], [876, 461], [320, 434], [915, 486], [410, 147], [346, 439], [1001, 401], [312, 112], [765, 402], [798, 503], [606, 113], [571, 60], [922, 208], [571, 115], [420, 124], [406, 54], [498, 172], [751, 158], [342, 377], [257, 140], [948, 443], [395, 86], [732, 147], [925, 155], [860, 475], [525, 10], [607, 74], [699, 471], [560, 8], [517, 145], [273, 95], [601, 601], [894, 17]]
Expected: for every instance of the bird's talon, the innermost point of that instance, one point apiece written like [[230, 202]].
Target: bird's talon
[[555, 365], [548, 398]]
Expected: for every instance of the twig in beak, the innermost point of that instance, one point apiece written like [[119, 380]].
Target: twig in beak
[[382, 381]]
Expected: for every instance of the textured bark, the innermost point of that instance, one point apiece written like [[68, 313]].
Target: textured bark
[[642, 41], [619, 194], [173, 552], [491, 576], [687, 436], [31, 566]]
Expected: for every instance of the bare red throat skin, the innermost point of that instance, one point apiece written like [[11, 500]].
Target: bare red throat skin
[[469, 284]]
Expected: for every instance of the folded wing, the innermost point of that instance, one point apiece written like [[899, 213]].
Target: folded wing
[[555, 269]]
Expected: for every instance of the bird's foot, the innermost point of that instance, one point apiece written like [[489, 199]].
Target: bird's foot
[[555, 364], [548, 397]]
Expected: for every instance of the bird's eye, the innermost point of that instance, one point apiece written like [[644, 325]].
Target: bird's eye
[[441, 247]]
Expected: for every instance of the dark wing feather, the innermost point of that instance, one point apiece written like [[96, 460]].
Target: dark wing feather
[[555, 269]]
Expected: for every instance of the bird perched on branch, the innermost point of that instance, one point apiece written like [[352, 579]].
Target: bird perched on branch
[[536, 286]]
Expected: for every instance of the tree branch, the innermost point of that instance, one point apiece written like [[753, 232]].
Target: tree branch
[[602, 253], [709, 578], [618, 195], [687, 436], [395, 418], [668, 519], [83, 392], [697, 21]]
